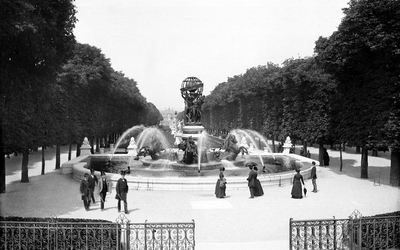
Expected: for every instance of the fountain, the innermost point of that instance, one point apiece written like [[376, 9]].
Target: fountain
[[191, 158]]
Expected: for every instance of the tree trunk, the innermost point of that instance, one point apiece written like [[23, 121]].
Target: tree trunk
[[273, 143], [364, 163], [58, 161], [92, 146], [97, 145], [305, 149], [69, 151], [321, 154], [357, 149], [43, 161], [395, 168], [24, 168], [341, 157], [2, 165], [78, 149]]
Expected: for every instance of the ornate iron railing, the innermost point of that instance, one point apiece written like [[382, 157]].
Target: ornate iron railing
[[357, 232], [49, 235], [376, 232], [54, 234], [157, 236]]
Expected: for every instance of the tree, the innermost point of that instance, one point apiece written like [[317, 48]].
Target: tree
[[363, 55], [36, 38]]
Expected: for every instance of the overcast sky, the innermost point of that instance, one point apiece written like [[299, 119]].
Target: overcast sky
[[159, 43]]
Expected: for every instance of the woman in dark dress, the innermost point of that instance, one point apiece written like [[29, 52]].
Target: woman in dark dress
[[297, 191], [326, 157], [220, 186], [258, 191]]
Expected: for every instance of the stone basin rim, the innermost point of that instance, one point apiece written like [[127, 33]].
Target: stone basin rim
[[78, 169]]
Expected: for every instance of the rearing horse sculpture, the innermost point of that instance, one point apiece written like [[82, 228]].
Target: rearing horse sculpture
[[230, 146]]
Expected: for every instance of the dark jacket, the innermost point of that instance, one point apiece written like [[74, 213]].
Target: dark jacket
[[104, 184], [84, 189], [92, 180], [252, 178], [314, 173], [121, 189]]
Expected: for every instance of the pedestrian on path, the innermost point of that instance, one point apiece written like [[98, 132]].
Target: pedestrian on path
[[258, 190], [326, 157], [314, 177], [104, 188], [251, 180], [93, 181], [85, 191], [220, 186], [122, 191], [297, 191]]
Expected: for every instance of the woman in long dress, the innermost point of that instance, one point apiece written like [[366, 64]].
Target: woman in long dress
[[258, 191], [297, 191], [220, 186]]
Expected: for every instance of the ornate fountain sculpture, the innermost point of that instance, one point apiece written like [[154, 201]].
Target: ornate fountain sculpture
[[232, 148], [154, 150], [192, 93]]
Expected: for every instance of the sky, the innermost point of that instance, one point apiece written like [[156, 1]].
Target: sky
[[159, 43]]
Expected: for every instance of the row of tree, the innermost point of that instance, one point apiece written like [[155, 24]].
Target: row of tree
[[55, 91], [348, 92]]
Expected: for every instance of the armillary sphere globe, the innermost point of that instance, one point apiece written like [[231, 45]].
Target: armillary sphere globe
[[192, 85]]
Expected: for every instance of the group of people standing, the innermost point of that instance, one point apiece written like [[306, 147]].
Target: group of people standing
[[297, 189], [90, 181], [256, 189], [254, 184]]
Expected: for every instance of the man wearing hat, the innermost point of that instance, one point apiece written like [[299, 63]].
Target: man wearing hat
[[122, 190], [104, 188], [314, 177], [92, 180], [85, 191], [251, 179]]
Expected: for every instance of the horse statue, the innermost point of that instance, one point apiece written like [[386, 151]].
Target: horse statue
[[155, 150], [145, 151], [230, 146]]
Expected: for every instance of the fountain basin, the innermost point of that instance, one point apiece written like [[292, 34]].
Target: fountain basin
[[166, 164], [192, 180]]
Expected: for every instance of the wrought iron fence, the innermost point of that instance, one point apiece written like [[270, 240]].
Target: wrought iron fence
[[155, 236], [64, 235], [357, 232], [97, 235]]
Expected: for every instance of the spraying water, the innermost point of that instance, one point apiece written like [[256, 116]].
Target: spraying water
[[125, 137], [200, 144], [250, 135]]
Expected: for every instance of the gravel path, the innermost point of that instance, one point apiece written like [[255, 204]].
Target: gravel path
[[232, 223]]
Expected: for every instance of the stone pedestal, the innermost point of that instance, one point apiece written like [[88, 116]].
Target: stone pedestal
[[286, 148], [132, 150], [101, 150], [192, 130], [111, 147], [85, 150]]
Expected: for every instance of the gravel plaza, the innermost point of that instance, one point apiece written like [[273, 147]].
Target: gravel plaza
[[235, 222]]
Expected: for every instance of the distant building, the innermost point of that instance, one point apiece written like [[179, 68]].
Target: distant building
[[168, 115]]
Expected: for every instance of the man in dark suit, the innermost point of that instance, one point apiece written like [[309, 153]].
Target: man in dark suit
[[122, 190], [84, 188], [314, 176], [252, 180], [92, 180], [104, 188]]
